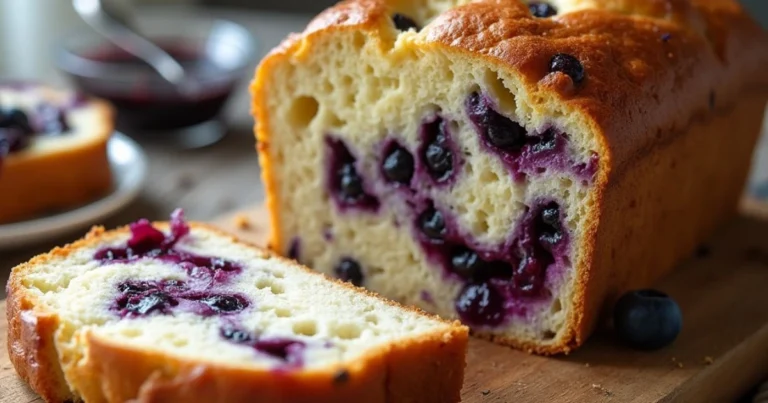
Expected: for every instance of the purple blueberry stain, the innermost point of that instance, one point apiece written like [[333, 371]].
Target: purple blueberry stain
[[148, 242], [290, 351], [349, 270], [498, 280], [438, 154], [427, 297], [294, 249], [346, 185], [398, 165], [496, 130], [142, 298], [524, 153], [480, 304], [237, 336], [404, 23], [285, 349]]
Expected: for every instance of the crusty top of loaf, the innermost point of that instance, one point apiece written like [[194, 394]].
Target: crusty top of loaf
[[651, 65]]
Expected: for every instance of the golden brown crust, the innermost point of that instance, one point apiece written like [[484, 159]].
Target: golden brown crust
[[653, 69], [123, 374], [62, 179]]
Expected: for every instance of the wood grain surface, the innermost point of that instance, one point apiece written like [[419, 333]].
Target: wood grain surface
[[722, 351]]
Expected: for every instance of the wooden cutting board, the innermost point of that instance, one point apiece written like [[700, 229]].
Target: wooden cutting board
[[721, 352]]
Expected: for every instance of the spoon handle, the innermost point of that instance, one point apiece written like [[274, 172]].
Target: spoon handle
[[119, 29]]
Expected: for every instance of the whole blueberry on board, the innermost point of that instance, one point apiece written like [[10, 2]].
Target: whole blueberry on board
[[647, 319]]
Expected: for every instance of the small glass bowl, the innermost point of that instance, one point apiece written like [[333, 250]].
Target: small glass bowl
[[216, 54]]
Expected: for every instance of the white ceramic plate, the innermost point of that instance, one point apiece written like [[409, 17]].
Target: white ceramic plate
[[129, 170]]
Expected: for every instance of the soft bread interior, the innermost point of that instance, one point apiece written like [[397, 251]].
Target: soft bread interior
[[338, 324], [363, 90]]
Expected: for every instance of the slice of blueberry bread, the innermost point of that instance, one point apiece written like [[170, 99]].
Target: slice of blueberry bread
[[171, 312], [53, 150], [514, 165]]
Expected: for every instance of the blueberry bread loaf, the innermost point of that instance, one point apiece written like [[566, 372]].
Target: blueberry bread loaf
[[53, 150], [514, 165], [170, 312]]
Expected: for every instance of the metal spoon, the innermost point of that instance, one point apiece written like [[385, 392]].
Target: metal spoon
[[118, 29]]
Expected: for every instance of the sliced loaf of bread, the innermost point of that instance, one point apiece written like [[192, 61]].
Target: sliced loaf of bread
[[513, 164], [170, 312]]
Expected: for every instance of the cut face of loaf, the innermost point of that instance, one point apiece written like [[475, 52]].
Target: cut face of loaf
[[463, 167], [189, 314]]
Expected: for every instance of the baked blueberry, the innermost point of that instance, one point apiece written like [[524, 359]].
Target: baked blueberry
[[225, 303], [480, 304], [542, 10], [647, 319], [569, 65], [350, 183], [545, 142], [548, 225], [12, 140], [398, 165], [148, 303], [50, 119], [404, 23], [16, 119], [237, 336], [528, 279], [136, 287], [499, 131], [439, 159], [294, 250], [346, 185], [432, 224], [465, 262], [285, 349], [349, 270], [436, 152]]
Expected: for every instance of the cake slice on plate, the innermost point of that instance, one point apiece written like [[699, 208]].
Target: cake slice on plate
[[53, 150]]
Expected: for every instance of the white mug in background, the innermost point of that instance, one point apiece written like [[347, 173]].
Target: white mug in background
[[29, 33]]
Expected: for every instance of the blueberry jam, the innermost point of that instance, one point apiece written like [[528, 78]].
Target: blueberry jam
[[287, 350], [144, 101], [524, 153], [500, 278], [437, 151], [346, 184]]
